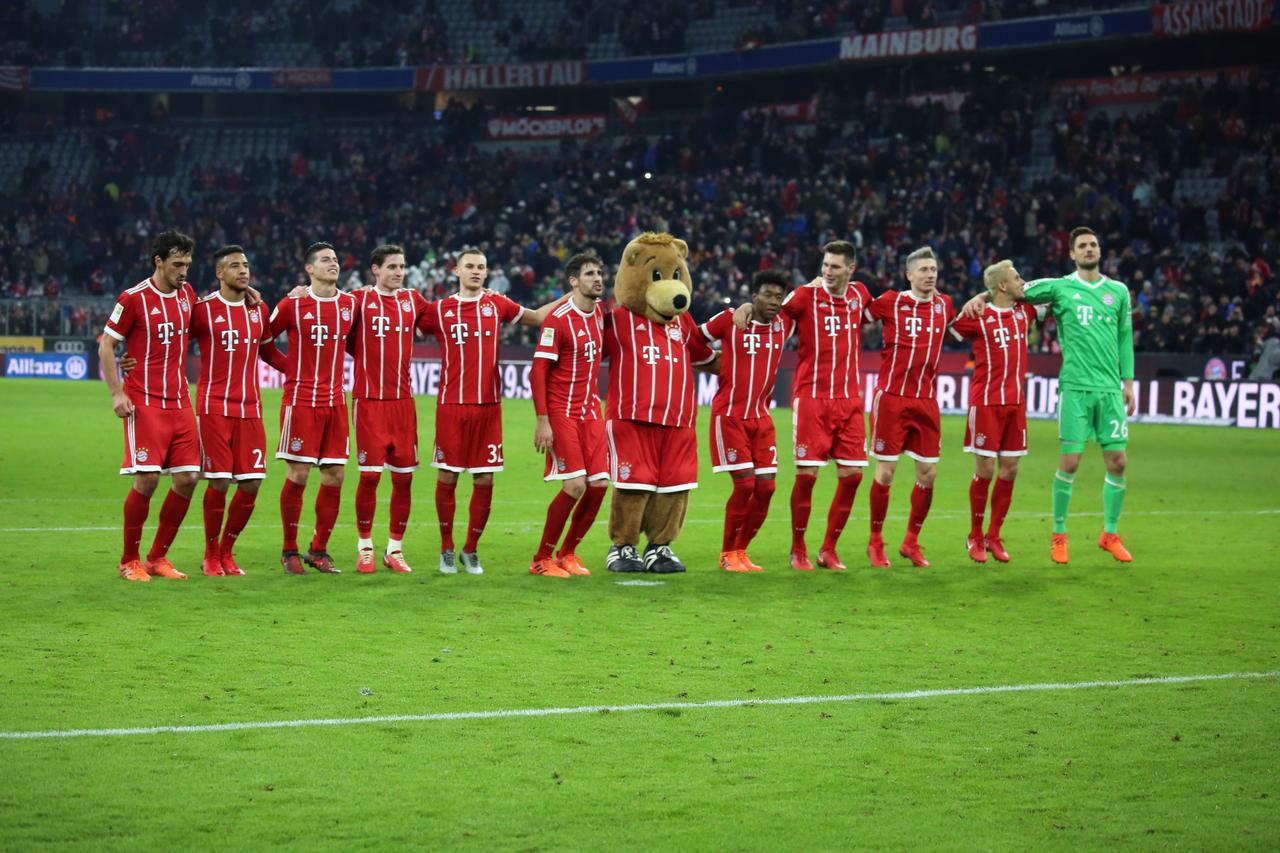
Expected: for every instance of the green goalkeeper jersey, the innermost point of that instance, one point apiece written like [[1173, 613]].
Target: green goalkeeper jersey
[[1095, 328]]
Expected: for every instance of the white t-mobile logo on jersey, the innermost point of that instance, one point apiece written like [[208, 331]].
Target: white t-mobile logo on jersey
[[913, 325], [164, 331], [833, 324], [650, 353], [589, 351], [1085, 313], [230, 339], [380, 325], [459, 332], [751, 343], [319, 334], [1001, 335]]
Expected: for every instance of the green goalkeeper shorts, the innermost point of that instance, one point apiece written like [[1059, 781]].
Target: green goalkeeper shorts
[[1085, 416]]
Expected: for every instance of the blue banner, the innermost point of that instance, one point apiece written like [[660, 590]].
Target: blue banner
[[46, 366], [769, 58], [1065, 29], [221, 79]]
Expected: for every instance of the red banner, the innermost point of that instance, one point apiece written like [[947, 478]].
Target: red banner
[[514, 75], [546, 127], [803, 111], [1140, 88], [1174, 20], [955, 38]]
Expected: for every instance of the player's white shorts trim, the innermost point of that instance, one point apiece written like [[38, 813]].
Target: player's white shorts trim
[[720, 469], [1013, 453], [406, 470], [378, 469], [683, 487], [882, 458], [852, 463], [636, 487], [242, 477], [773, 470], [142, 469], [592, 478], [334, 460], [216, 475], [486, 470], [930, 460], [568, 475], [310, 460], [811, 463]]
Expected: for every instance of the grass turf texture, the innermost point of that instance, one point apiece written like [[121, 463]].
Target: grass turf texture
[[1187, 765]]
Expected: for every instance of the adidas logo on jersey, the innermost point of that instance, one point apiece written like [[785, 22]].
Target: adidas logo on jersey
[[308, 316], [157, 310], [449, 313], [220, 319]]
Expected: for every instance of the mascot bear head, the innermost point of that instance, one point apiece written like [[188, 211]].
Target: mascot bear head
[[653, 278]]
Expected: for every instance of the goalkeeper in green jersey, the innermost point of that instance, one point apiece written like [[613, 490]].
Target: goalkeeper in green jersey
[[1095, 385]]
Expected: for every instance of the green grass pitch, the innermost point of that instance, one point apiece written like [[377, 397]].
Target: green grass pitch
[[1189, 765]]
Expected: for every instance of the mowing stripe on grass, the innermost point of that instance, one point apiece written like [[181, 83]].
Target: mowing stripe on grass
[[652, 706]]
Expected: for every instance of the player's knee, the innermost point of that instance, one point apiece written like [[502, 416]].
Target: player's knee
[[401, 479], [299, 473], [986, 467], [446, 477], [184, 482], [145, 484], [884, 473], [370, 478], [484, 479], [1008, 468], [1070, 463], [332, 475], [248, 487], [220, 484], [573, 488], [1116, 463], [926, 474], [765, 487]]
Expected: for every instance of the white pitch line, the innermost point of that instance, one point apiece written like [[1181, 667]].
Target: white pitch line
[[616, 709]]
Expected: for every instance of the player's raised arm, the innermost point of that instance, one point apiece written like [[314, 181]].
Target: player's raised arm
[[535, 316]]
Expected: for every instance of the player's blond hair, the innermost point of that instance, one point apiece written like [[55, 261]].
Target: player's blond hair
[[922, 254], [996, 273]]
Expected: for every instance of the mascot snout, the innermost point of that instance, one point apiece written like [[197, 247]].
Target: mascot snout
[[667, 298]]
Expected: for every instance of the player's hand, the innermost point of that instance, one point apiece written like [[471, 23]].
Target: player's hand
[[1130, 401], [974, 307], [252, 297], [542, 437], [298, 292], [121, 404], [126, 363], [742, 316]]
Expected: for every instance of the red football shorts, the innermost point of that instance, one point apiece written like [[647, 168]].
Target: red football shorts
[[163, 441], [386, 435], [232, 448], [578, 449], [739, 444], [316, 435], [651, 457], [822, 430], [996, 431], [468, 437], [910, 425]]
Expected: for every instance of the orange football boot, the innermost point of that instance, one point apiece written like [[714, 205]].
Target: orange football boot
[[751, 565], [1114, 545], [547, 567], [133, 571], [162, 568], [571, 564], [730, 562], [1058, 550]]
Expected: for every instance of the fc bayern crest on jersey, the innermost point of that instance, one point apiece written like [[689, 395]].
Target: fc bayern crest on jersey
[[142, 455], [937, 307], [674, 333], [561, 465], [439, 455], [361, 456], [732, 455], [183, 304], [879, 445], [486, 310], [346, 315], [253, 315], [801, 451], [1108, 299], [624, 471], [406, 307], [776, 326], [981, 440]]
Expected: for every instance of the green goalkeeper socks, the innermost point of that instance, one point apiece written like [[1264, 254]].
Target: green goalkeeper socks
[[1062, 483], [1112, 502]]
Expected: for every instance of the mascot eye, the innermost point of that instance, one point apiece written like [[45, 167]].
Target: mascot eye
[[676, 275], [657, 275]]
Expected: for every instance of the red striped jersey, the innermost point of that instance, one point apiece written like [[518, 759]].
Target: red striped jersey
[[229, 334], [651, 367], [999, 353], [830, 337], [155, 328], [468, 330], [383, 342], [574, 342], [318, 328], [913, 334], [748, 363]]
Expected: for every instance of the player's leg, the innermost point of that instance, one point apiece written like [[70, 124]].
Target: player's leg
[[1074, 429], [766, 485], [811, 439], [371, 457], [447, 458], [182, 461], [477, 519], [762, 438], [484, 456], [136, 505], [238, 514], [923, 444], [591, 437], [216, 466], [1112, 431], [735, 516], [984, 458], [1001, 497], [215, 510], [335, 447], [299, 447], [887, 439], [921, 500], [564, 467], [402, 460], [849, 451], [731, 454]]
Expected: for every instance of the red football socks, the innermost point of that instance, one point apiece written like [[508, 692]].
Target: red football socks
[[879, 500], [446, 506], [735, 512], [215, 505], [328, 502], [557, 514], [921, 498], [756, 512], [172, 512], [584, 515], [237, 517], [801, 503], [978, 487], [136, 506], [401, 500], [841, 504], [290, 512], [481, 500], [1001, 497], [366, 502]]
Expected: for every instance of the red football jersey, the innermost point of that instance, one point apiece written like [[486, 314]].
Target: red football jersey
[[913, 333], [383, 342], [155, 327], [999, 353], [574, 343], [748, 363], [651, 367], [318, 329], [229, 334], [830, 333], [468, 331]]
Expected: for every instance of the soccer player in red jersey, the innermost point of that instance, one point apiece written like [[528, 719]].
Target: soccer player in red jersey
[[313, 412], [743, 439], [468, 411], [153, 319], [566, 379], [384, 411], [233, 443], [904, 410], [997, 424]]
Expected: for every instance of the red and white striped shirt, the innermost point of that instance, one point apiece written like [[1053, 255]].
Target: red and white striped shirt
[[574, 342], [651, 367], [913, 333], [748, 363], [830, 334], [999, 353], [318, 329], [383, 342], [229, 334], [155, 328], [468, 331]]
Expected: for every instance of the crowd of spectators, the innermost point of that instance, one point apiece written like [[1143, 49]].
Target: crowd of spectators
[[746, 190]]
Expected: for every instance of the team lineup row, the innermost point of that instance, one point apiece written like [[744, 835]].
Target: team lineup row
[[645, 444]]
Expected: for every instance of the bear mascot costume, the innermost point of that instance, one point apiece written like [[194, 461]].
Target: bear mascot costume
[[652, 345]]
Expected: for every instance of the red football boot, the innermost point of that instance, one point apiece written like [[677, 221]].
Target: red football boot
[[828, 559], [212, 567], [996, 546], [977, 549], [800, 561], [911, 550]]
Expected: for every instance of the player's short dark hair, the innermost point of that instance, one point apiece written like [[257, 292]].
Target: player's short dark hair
[[171, 243], [471, 250], [316, 248], [386, 250], [774, 277], [1079, 232], [573, 267], [842, 247], [231, 249]]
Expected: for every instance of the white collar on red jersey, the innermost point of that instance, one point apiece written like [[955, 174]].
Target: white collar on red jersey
[[931, 297], [378, 290], [151, 283], [312, 294], [225, 301]]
